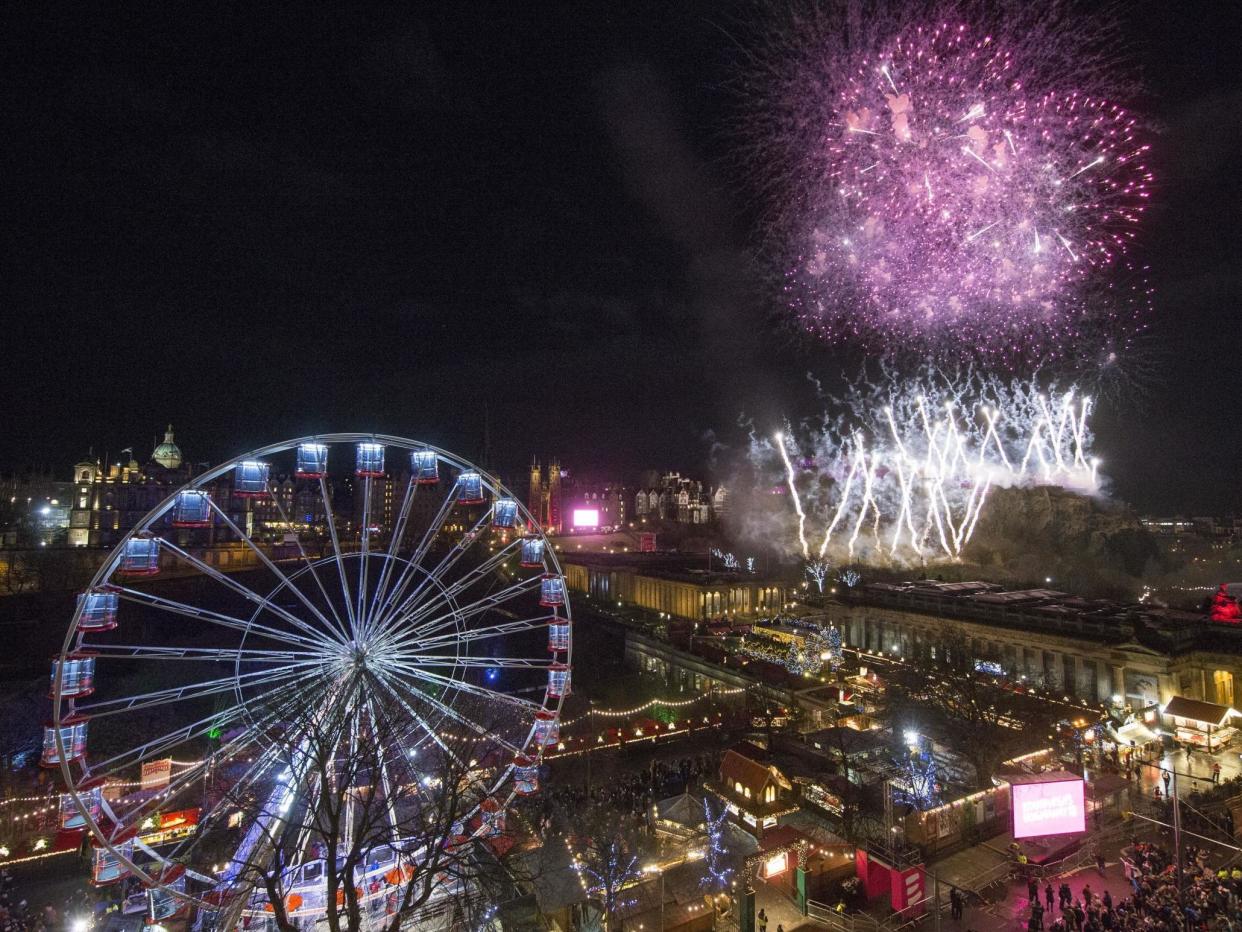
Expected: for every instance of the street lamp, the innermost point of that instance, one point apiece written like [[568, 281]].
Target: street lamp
[[655, 869]]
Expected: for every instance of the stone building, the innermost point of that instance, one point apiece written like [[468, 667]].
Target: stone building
[[1094, 650]]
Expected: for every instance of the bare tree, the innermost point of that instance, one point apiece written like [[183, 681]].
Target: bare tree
[[610, 847], [370, 824], [977, 712]]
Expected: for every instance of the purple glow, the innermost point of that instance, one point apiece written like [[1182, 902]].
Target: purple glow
[[586, 517], [1048, 808], [956, 189]]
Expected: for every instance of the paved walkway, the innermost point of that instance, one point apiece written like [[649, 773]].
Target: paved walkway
[[781, 911], [1012, 909], [1194, 772]]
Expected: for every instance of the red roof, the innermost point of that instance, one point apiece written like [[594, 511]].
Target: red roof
[[734, 768], [782, 836]]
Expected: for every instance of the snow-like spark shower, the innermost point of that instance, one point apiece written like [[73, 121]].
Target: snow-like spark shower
[[905, 474], [959, 190]]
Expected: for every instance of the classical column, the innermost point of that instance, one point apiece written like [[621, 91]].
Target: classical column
[[1164, 683], [1103, 681], [1054, 669], [1119, 681]]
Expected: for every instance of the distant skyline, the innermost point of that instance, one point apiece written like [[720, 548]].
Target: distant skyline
[[258, 226]]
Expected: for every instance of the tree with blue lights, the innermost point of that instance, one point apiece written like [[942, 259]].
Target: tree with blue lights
[[717, 867]]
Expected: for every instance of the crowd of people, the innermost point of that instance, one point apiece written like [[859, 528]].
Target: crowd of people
[[1210, 899], [635, 791], [17, 915]]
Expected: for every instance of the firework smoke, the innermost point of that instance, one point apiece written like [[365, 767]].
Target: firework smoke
[[903, 473]]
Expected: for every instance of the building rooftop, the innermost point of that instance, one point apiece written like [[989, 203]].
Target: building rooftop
[[1166, 629], [1197, 710], [678, 567]]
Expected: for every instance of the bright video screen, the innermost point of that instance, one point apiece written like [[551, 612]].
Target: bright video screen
[[586, 517], [1048, 808]]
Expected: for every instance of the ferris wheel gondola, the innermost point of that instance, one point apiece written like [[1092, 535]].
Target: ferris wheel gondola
[[243, 601]]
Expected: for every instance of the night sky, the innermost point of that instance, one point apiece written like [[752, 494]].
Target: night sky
[[258, 224]]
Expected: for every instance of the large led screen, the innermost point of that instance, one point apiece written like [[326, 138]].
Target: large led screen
[[586, 517], [1048, 808]]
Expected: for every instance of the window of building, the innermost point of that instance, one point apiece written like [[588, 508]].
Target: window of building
[[747, 793], [769, 795], [737, 786]]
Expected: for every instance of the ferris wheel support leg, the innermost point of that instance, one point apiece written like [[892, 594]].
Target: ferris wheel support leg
[[385, 781]]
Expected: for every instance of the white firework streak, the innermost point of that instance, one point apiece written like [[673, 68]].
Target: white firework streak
[[918, 486], [793, 490]]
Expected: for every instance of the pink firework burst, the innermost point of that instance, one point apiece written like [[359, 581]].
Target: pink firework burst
[[960, 196]]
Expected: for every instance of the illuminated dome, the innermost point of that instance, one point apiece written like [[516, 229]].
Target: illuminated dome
[[168, 454]]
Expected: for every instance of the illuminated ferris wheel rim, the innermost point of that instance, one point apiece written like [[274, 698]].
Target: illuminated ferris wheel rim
[[75, 770]]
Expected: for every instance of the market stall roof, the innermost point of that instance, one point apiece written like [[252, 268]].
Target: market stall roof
[[1134, 731], [782, 836], [683, 809], [1207, 713], [1045, 776]]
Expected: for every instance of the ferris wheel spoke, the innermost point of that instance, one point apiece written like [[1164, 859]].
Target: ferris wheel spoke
[[285, 581], [230, 654], [435, 679], [169, 740], [481, 634], [298, 670], [459, 615], [475, 663], [249, 594], [459, 717], [364, 560], [394, 544], [391, 688], [479, 732], [217, 618], [446, 595], [340, 558], [310, 564], [390, 804], [447, 563], [420, 553]]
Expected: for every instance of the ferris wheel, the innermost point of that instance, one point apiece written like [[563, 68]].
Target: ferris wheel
[[247, 598]]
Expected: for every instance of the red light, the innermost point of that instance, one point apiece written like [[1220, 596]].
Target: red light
[[1225, 606]]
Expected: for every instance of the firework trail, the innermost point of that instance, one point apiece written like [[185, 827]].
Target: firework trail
[[904, 473]]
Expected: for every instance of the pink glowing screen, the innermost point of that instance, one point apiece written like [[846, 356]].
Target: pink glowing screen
[[586, 517], [1048, 808]]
